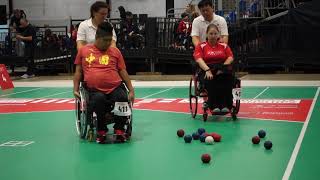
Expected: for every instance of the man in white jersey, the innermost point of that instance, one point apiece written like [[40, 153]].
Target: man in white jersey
[[200, 24]]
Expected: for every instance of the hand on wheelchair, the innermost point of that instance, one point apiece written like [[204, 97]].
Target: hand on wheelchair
[[208, 75], [131, 96], [76, 94]]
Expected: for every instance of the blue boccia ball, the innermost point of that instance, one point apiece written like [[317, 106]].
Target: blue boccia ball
[[195, 136], [262, 133], [268, 145], [201, 131], [203, 137], [187, 138]]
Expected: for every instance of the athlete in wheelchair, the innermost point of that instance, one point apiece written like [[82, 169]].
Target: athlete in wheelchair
[[214, 79], [103, 90]]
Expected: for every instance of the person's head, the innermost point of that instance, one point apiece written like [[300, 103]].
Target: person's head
[[213, 33], [185, 16], [23, 22], [104, 36], [206, 9], [122, 12], [99, 11], [129, 15], [17, 13]]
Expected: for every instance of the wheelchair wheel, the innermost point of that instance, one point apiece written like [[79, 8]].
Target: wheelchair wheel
[[82, 114], [236, 106], [193, 98], [129, 124]]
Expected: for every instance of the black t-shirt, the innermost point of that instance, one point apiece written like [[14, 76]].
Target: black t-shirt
[[29, 31]]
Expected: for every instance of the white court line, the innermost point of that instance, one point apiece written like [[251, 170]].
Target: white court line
[[261, 93], [56, 94], [21, 92], [295, 152], [157, 93]]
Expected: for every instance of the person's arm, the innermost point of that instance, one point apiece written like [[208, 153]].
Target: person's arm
[[125, 77], [229, 54], [24, 38], [224, 39], [76, 80], [195, 34], [195, 40], [224, 31], [77, 75], [198, 56], [80, 44]]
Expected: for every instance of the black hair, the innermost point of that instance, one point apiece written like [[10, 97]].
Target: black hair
[[204, 3], [184, 15], [95, 7], [128, 13], [122, 12], [104, 29]]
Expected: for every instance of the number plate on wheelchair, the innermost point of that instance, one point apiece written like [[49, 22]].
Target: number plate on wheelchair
[[122, 109], [236, 92]]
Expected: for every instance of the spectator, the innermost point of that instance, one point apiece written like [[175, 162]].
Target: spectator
[[28, 36], [129, 32], [15, 20], [184, 30]]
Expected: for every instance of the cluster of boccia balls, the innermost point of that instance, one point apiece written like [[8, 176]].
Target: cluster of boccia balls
[[262, 134], [203, 137]]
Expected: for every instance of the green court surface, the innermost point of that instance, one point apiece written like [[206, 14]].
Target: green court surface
[[155, 152]]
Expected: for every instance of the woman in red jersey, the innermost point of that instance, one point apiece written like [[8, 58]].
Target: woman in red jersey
[[209, 56]]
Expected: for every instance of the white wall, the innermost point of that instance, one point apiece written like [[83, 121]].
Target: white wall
[[59, 12], [54, 12], [154, 8]]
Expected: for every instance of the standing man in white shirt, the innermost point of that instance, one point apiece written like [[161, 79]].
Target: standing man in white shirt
[[87, 29], [200, 24]]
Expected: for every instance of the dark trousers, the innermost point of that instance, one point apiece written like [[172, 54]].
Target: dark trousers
[[102, 103], [29, 54], [219, 90]]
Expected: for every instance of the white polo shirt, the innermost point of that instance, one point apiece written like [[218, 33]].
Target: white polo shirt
[[199, 26], [87, 32]]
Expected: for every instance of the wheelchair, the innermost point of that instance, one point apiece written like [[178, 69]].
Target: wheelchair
[[86, 121], [196, 91]]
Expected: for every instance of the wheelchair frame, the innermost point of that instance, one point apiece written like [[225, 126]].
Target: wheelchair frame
[[86, 122], [194, 95]]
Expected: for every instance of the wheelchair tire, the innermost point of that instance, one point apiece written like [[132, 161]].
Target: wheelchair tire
[[237, 103], [193, 99], [82, 114], [205, 116]]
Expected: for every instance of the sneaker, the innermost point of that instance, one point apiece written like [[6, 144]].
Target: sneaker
[[101, 137], [120, 135], [216, 110], [225, 110], [25, 76]]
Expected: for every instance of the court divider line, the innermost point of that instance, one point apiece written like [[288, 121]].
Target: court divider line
[[22, 92], [157, 93], [55, 94], [295, 152], [261, 92]]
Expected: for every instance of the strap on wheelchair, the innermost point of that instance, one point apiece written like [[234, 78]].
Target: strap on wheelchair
[[221, 67]]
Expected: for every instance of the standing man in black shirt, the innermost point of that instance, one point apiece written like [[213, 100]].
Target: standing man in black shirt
[[28, 36], [15, 20]]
